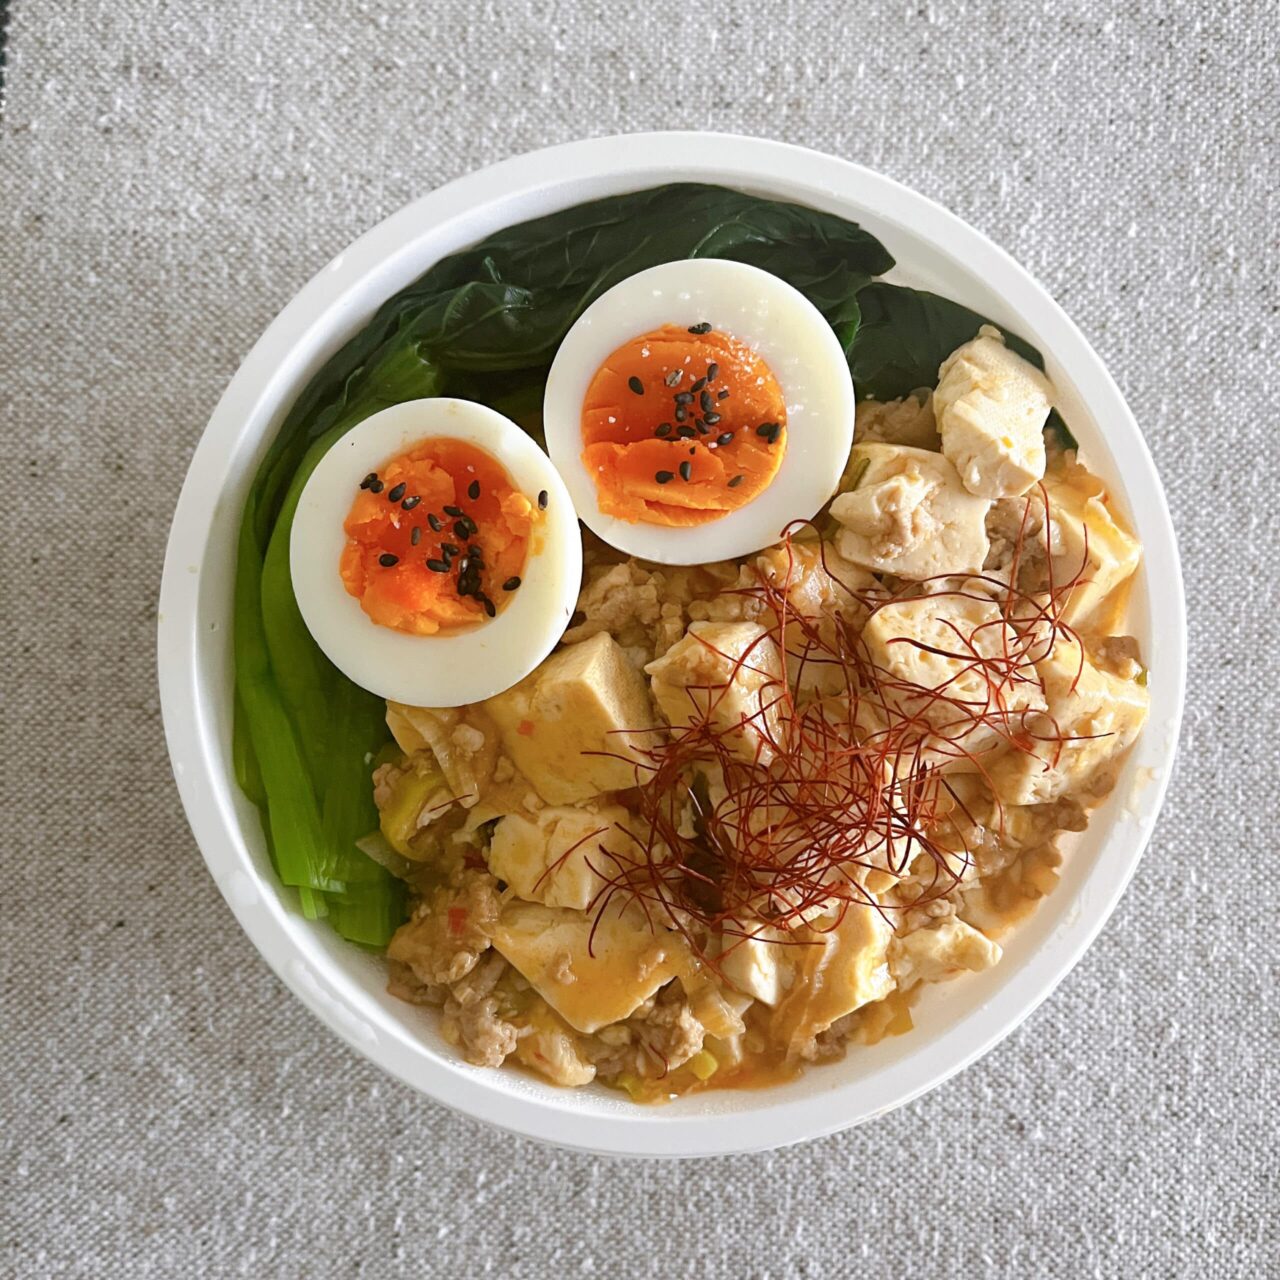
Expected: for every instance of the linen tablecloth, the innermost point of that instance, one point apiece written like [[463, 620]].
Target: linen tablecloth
[[170, 174]]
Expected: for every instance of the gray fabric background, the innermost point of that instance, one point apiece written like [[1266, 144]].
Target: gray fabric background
[[169, 175]]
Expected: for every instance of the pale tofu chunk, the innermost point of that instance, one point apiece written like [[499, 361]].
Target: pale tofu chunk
[[932, 648], [1098, 715], [579, 724], [550, 857], [729, 676], [942, 951], [909, 515], [1087, 542], [759, 967], [844, 968], [991, 407], [589, 979]]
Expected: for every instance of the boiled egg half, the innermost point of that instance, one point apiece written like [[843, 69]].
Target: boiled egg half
[[435, 553], [698, 408]]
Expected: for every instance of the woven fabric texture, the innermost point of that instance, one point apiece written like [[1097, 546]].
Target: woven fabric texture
[[170, 174]]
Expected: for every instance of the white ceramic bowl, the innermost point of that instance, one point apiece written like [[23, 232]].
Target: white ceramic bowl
[[343, 986]]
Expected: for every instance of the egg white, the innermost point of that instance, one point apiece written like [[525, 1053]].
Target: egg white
[[767, 315], [443, 670]]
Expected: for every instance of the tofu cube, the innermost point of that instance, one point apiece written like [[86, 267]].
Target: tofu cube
[[551, 857], [1097, 715], [991, 407], [844, 966], [759, 967], [932, 649], [727, 675], [579, 724], [942, 951], [1088, 542], [590, 980], [909, 514]]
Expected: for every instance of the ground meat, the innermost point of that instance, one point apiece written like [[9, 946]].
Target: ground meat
[[1118, 654], [449, 929], [1011, 520], [471, 1018], [622, 599], [908, 421], [669, 1034], [385, 777]]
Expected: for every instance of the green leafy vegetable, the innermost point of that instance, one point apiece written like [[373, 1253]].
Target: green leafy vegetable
[[484, 324], [905, 334]]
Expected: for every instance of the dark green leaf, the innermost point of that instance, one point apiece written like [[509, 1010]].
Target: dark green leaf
[[905, 334]]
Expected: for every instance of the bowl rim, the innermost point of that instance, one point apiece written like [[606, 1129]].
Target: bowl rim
[[310, 327]]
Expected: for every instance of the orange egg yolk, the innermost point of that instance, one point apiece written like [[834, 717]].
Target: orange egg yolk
[[437, 539], [681, 426]]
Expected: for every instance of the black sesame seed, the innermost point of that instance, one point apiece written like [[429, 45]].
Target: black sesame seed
[[686, 470], [369, 479], [397, 493], [735, 482], [409, 503], [636, 385], [416, 536], [376, 486], [693, 453], [449, 549], [435, 522], [703, 327], [472, 527], [723, 395], [386, 560], [713, 370], [711, 419], [703, 429], [684, 397], [453, 511], [511, 584], [674, 377], [542, 500], [664, 477], [473, 490], [706, 400], [489, 607], [725, 438], [460, 530], [662, 429], [437, 566], [686, 433], [697, 386], [681, 413]]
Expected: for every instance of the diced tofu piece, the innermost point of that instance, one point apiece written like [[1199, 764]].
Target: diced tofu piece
[[1087, 542], [589, 979], [942, 951], [1097, 713], [909, 514], [932, 648], [551, 1048], [759, 966], [585, 699], [845, 967], [991, 407], [727, 675], [549, 858], [908, 421]]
